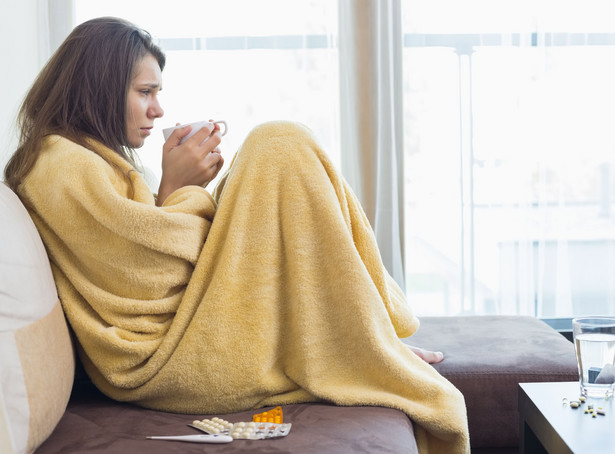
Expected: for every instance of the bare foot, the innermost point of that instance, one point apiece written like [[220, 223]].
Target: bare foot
[[427, 355]]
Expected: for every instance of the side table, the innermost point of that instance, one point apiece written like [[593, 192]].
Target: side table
[[549, 425]]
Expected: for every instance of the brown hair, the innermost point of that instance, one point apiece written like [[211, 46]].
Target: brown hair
[[81, 92]]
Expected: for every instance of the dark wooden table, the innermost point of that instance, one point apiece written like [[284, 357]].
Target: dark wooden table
[[548, 425]]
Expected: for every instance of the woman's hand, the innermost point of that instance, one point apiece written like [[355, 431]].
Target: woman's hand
[[191, 163]]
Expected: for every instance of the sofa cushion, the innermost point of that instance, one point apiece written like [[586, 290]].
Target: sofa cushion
[[37, 359], [486, 357], [95, 423]]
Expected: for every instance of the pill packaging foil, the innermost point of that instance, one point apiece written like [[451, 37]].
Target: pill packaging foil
[[247, 430]]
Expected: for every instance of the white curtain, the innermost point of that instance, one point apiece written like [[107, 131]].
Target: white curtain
[[370, 44]]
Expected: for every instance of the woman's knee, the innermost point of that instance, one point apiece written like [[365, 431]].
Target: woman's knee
[[280, 141], [281, 128]]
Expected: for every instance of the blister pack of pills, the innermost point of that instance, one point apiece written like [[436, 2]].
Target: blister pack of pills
[[242, 430]]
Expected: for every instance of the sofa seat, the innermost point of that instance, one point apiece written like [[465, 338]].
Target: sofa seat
[[486, 357], [93, 423]]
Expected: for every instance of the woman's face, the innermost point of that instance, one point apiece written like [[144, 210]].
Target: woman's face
[[142, 106]]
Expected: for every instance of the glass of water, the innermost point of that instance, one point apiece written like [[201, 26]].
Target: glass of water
[[594, 343]]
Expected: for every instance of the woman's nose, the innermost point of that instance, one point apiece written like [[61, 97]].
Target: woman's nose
[[156, 110]]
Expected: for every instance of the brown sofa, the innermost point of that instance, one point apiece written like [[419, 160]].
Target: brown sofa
[[43, 407]]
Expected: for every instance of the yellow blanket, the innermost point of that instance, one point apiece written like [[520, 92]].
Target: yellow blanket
[[281, 297]]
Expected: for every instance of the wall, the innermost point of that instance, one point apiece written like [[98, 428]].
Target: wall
[[19, 44]]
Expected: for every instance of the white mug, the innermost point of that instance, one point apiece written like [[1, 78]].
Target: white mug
[[195, 127]]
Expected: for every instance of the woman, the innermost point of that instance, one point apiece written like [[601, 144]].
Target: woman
[[271, 291]]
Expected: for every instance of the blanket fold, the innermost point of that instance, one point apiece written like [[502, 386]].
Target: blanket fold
[[271, 291]]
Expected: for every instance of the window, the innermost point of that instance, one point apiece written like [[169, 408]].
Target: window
[[510, 157], [509, 141], [224, 64]]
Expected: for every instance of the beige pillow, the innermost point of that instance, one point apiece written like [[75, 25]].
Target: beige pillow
[[37, 359]]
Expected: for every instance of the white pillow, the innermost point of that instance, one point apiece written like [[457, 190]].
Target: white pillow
[[37, 358]]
